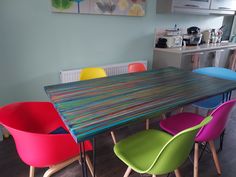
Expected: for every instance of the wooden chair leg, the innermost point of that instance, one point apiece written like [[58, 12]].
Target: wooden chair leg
[[50, 172], [90, 166], [113, 137], [177, 173], [215, 157], [147, 124], [1, 134], [31, 173], [195, 61], [163, 116], [181, 109], [233, 61], [55, 168], [6, 134], [196, 155], [128, 171], [196, 110]]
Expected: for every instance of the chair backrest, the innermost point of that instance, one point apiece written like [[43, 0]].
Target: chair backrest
[[92, 73], [30, 124], [217, 72], [136, 67], [176, 151], [30, 116], [220, 116]]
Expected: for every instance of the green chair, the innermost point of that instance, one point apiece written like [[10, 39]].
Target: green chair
[[156, 152]]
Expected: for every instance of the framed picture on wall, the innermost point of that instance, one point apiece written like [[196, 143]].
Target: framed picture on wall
[[100, 7]]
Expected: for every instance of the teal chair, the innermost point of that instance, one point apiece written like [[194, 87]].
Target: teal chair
[[155, 152]]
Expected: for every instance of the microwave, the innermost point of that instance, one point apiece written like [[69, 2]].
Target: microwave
[[173, 41]]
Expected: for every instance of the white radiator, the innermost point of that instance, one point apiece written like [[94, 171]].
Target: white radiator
[[111, 70]]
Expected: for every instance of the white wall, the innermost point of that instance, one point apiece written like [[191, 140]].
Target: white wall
[[36, 44]]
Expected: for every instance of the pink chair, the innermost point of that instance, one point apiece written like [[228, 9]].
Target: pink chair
[[136, 67], [33, 125], [208, 133]]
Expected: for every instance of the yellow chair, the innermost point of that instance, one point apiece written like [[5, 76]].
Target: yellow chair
[[92, 73]]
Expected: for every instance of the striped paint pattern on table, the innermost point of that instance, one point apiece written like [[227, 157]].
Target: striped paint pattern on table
[[94, 106]]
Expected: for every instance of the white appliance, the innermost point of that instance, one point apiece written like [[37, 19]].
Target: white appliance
[[173, 41]]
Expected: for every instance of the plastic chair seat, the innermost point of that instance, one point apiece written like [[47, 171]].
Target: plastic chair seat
[[150, 144], [156, 152], [180, 122]]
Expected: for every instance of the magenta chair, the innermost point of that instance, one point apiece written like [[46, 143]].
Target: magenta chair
[[40, 136], [208, 133]]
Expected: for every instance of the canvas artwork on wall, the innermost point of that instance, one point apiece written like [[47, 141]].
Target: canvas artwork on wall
[[103, 7]]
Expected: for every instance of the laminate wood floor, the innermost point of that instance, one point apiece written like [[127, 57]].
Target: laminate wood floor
[[110, 166]]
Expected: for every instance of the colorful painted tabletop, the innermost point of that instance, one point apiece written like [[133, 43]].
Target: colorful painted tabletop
[[95, 106]]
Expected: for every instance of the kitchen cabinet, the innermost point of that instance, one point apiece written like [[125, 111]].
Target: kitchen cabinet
[[201, 7], [185, 61], [223, 5], [208, 55], [203, 4]]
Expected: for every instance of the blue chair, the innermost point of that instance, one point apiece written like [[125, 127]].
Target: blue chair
[[218, 72], [222, 73], [213, 102]]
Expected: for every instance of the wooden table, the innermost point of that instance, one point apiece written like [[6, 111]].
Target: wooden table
[[95, 106]]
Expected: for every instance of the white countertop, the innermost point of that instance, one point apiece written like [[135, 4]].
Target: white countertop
[[200, 48]]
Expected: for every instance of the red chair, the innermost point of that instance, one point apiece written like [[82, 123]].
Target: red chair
[[133, 68], [136, 67], [31, 124]]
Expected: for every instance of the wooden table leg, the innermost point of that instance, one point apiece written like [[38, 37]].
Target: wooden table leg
[[147, 124]]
